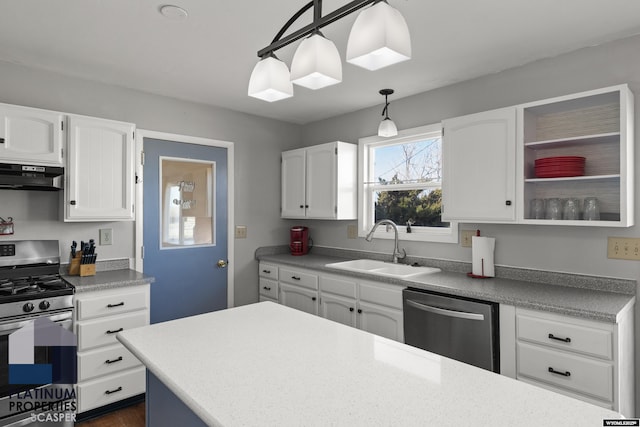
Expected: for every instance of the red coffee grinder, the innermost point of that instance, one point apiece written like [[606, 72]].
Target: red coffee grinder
[[299, 240]]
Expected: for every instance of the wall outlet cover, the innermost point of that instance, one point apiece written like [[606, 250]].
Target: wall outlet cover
[[241, 232], [106, 236], [624, 248], [352, 231], [465, 237]]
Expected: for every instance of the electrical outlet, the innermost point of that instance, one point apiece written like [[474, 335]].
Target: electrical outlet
[[624, 248], [106, 236], [241, 231], [352, 231], [465, 237]]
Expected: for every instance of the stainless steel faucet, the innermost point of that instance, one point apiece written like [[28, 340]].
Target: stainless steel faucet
[[396, 251]]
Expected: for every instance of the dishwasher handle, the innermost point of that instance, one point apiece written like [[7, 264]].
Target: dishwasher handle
[[445, 312]]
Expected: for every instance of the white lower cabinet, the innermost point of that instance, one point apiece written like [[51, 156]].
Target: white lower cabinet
[[584, 359], [107, 371], [299, 298]]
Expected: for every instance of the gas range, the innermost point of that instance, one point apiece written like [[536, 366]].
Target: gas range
[[30, 282]]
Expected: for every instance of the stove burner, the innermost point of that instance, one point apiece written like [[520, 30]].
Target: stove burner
[[31, 285]]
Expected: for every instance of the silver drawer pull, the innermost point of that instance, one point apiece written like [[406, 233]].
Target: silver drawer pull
[[564, 374], [115, 305], [109, 362], [113, 391], [552, 337]]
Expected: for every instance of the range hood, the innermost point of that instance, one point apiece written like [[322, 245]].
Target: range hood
[[31, 177]]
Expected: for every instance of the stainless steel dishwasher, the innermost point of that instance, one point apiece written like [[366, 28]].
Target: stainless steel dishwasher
[[463, 329]]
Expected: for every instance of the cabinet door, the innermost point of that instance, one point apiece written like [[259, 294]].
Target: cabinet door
[[293, 184], [299, 298], [339, 309], [31, 135], [383, 321], [99, 170], [479, 167], [321, 181]]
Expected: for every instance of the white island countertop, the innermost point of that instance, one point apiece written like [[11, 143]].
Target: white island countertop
[[268, 365]]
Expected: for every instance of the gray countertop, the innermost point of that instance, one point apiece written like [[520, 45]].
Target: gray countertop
[[602, 305], [108, 280]]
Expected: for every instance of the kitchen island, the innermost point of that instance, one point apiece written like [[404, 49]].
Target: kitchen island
[[268, 365]]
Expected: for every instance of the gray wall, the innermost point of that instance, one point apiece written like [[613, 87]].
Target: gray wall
[[258, 143]]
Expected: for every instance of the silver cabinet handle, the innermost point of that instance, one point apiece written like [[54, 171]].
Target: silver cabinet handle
[[444, 312]]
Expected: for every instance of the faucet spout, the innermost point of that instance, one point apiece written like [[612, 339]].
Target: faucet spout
[[397, 253]]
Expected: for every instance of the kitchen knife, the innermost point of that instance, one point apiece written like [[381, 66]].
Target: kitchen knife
[[74, 244]]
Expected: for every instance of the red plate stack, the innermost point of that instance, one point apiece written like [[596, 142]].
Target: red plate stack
[[558, 167]]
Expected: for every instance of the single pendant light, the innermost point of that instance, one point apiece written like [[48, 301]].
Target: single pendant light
[[270, 80], [379, 38], [387, 127], [316, 63]]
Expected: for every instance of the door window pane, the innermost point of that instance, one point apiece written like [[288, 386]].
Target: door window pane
[[186, 197]]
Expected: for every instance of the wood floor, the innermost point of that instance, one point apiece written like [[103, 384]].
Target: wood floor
[[132, 416]]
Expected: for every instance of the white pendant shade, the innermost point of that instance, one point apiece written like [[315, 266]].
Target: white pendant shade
[[270, 80], [316, 63], [379, 38], [387, 128]]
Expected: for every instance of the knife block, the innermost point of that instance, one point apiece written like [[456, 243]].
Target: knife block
[[77, 269]]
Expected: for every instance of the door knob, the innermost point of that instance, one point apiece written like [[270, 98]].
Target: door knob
[[222, 263]]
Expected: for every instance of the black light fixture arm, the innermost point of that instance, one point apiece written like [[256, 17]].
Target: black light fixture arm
[[319, 21], [386, 93]]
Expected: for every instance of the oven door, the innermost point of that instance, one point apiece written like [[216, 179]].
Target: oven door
[[10, 413]]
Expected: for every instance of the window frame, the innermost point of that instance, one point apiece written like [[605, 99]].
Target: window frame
[[366, 210]]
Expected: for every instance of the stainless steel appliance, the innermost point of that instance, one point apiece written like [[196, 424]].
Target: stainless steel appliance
[[459, 328], [31, 288], [31, 177]]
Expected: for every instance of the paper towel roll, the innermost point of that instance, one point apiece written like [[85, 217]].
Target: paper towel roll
[[482, 256]]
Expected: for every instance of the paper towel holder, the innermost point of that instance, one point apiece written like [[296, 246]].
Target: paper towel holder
[[478, 276]]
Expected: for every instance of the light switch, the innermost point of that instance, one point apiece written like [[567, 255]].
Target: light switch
[[241, 231], [623, 248]]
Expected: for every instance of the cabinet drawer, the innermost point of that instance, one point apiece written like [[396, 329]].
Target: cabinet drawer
[[580, 338], [96, 393], [105, 361], [268, 271], [269, 288], [106, 303], [338, 286], [95, 333], [587, 376], [299, 278], [382, 294]]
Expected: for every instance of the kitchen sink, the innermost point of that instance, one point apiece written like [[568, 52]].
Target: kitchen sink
[[382, 268]]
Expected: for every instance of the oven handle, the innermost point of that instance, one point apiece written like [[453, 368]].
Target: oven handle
[[10, 326], [444, 312]]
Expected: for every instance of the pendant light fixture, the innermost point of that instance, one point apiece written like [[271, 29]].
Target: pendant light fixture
[[379, 38], [387, 127], [316, 63], [270, 80]]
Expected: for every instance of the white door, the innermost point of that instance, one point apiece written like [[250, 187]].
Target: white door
[[383, 321], [100, 172], [293, 184], [31, 135], [479, 166], [339, 309], [299, 298], [321, 181]]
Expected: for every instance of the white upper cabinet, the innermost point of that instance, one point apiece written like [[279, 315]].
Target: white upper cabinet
[[320, 182], [31, 136], [595, 125], [100, 172], [479, 167]]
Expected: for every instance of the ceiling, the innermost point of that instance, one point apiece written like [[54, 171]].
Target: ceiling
[[208, 57]]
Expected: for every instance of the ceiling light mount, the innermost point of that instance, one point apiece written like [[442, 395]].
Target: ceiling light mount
[[175, 13], [379, 31]]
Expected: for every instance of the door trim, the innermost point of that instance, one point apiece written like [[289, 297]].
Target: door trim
[[140, 135]]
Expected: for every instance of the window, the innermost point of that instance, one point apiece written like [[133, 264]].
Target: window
[[401, 180]]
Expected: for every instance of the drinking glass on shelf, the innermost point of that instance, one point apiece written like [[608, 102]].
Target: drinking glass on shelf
[[571, 209], [537, 209], [591, 209], [554, 208]]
